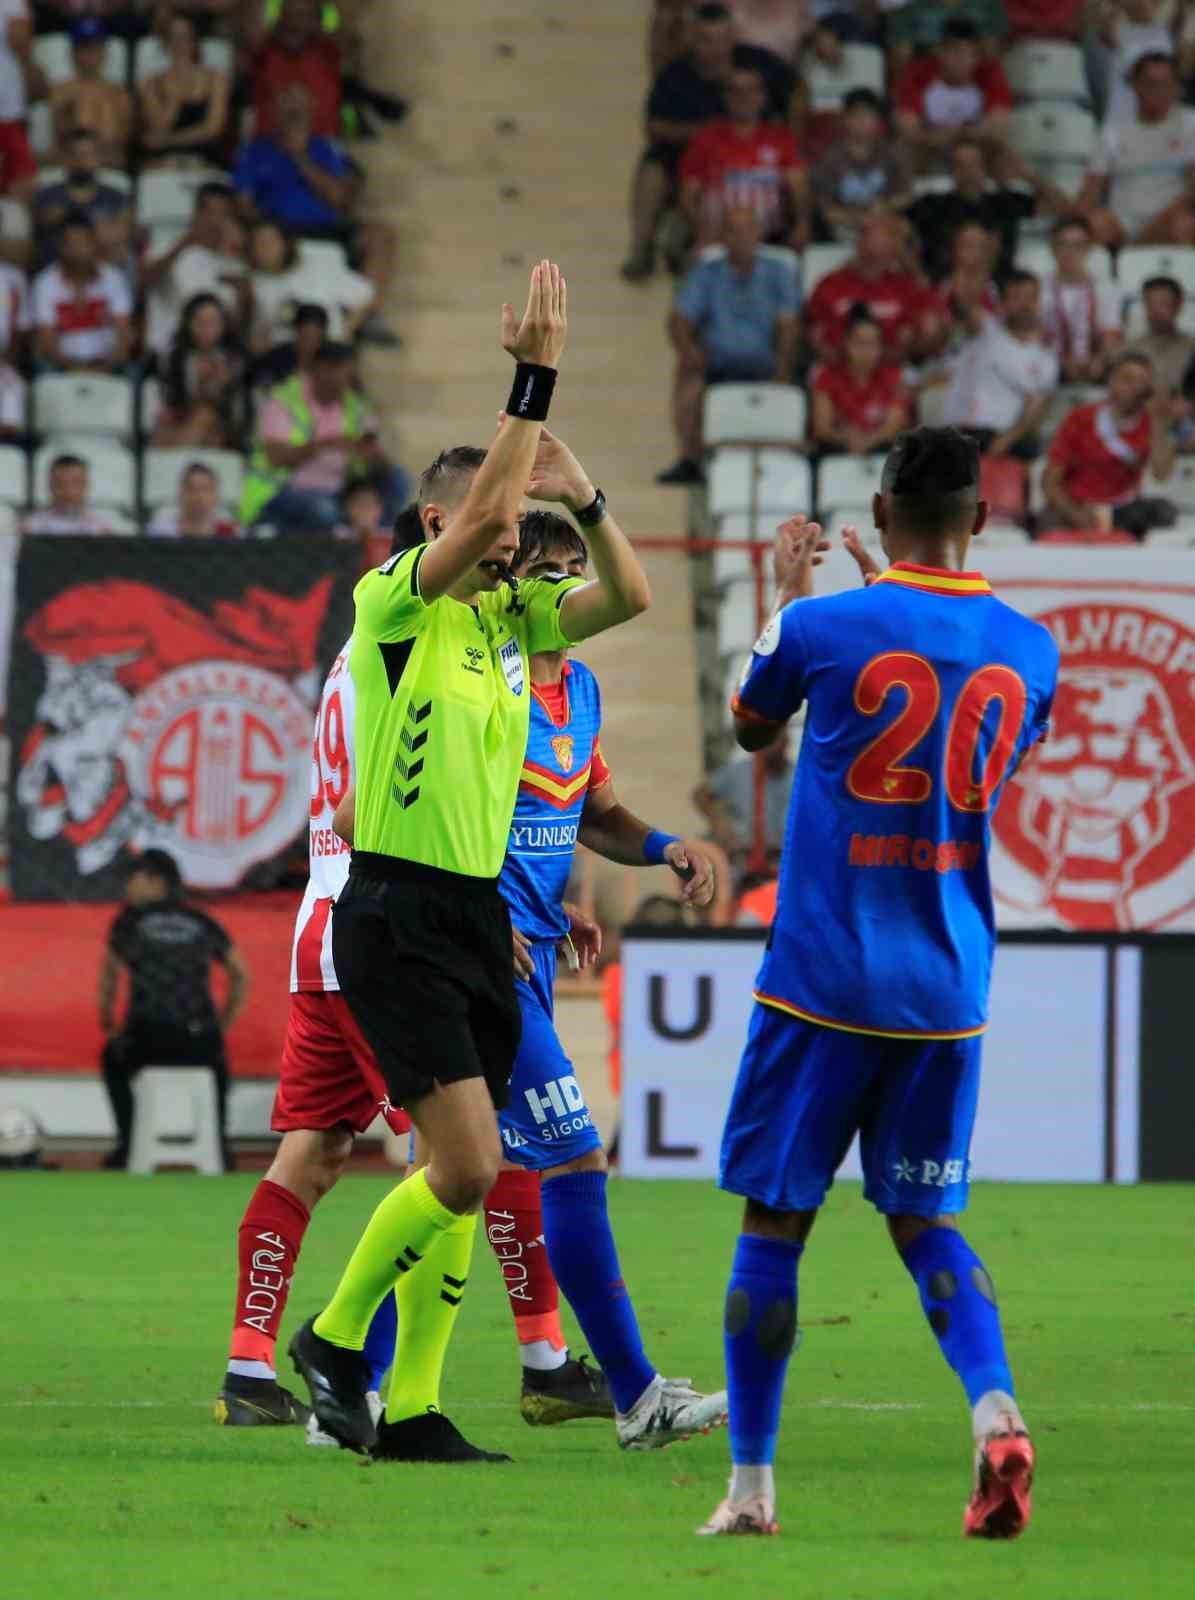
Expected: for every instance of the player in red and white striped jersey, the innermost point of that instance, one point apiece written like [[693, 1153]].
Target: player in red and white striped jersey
[[329, 1088]]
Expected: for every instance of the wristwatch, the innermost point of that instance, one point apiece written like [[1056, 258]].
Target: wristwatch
[[588, 516]]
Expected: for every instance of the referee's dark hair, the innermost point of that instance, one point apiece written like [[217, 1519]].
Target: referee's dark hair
[[547, 530], [408, 530], [930, 482], [450, 474]]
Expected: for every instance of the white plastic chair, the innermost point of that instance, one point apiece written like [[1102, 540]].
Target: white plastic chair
[[68, 402], [738, 617], [848, 482], [753, 413], [1056, 138], [53, 54], [1001, 536], [169, 196], [150, 57], [39, 125], [777, 482], [861, 67], [740, 526], [1139, 262], [165, 1100], [1035, 255], [322, 255], [1047, 69], [112, 469], [820, 259], [112, 176], [8, 519], [1180, 537], [162, 470], [14, 475], [1179, 487]]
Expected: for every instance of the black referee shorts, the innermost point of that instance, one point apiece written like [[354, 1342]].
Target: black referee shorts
[[424, 959]]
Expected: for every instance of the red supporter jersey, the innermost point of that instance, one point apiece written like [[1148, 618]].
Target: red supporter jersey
[[924, 93], [896, 301], [332, 768], [1102, 462], [861, 402], [316, 68], [743, 169]]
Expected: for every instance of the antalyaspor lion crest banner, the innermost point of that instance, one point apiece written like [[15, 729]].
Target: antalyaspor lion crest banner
[[1096, 832], [161, 695]]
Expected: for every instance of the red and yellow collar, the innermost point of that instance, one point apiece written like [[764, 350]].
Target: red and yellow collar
[[935, 579]]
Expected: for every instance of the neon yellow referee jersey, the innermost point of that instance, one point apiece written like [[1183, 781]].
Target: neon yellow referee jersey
[[443, 705]]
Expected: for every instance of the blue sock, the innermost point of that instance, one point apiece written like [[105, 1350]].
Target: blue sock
[[960, 1302], [379, 1341], [761, 1328], [585, 1261]]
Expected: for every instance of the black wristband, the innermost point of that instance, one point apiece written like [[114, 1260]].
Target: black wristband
[[531, 393], [589, 516]]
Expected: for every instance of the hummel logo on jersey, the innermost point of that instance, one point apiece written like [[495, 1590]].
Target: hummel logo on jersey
[[473, 660], [940, 1174]]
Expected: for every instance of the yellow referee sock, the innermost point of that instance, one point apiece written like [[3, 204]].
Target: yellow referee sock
[[403, 1230], [428, 1301]]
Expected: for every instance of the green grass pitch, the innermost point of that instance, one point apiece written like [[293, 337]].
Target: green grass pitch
[[115, 1482]]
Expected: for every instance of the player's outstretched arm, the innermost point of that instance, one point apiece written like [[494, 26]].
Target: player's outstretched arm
[[620, 590], [492, 503], [613, 832]]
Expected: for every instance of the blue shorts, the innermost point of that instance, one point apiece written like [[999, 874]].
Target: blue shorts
[[804, 1091], [546, 1121]]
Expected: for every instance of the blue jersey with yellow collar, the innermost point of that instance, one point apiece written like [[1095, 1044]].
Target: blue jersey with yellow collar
[[563, 763]]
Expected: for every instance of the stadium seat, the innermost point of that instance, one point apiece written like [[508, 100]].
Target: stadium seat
[[40, 127], [1057, 139], [163, 469], [738, 617], [848, 482], [169, 196], [8, 519], [149, 404], [1101, 536], [322, 255], [112, 176], [69, 402], [820, 259], [1139, 262], [14, 476], [1179, 487], [999, 535], [861, 66], [1035, 255], [150, 58], [753, 413], [768, 480], [1180, 537], [113, 470], [1002, 485], [1047, 69], [740, 527], [52, 53]]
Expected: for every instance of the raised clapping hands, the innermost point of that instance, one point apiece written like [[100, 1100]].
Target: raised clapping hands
[[800, 546], [539, 338], [869, 568]]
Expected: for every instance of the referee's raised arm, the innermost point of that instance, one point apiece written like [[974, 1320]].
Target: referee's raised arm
[[492, 502]]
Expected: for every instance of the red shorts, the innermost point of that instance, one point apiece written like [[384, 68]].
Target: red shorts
[[329, 1075], [17, 161]]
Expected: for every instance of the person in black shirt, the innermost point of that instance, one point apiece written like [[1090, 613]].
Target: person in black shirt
[[974, 197], [165, 948], [684, 95]]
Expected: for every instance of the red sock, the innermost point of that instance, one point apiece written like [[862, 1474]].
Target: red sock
[[268, 1244], [514, 1225]]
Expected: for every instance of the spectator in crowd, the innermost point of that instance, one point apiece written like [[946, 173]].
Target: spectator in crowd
[[1169, 350], [308, 185], [82, 308], [1080, 314], [81, 191], [735, 320], [1138, 188], [197, 514], [1045, 19], [859, 404], [309, 332], [16, 232], [1098, 457], [921, 26], [278, 284], [18, 74], [164, 949], [203, 385], [727, 800], [89, 100], [317, 434], [743, 160], [1004, 373], [365, 513], [877, 278], [69, 510], [862, 171], [184, 110], [209, 256], [296, 52], [969, 284], [974, 197], [12, 405], [687, 93], [1124, 31], [939, 96], [15, 315]]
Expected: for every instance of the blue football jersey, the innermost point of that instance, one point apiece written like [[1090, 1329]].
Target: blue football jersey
[[922, 692], [563, 762]]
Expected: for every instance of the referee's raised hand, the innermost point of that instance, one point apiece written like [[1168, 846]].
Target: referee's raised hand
[[540, 337]]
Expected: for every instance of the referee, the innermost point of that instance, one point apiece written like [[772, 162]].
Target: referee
[[421, 937]]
